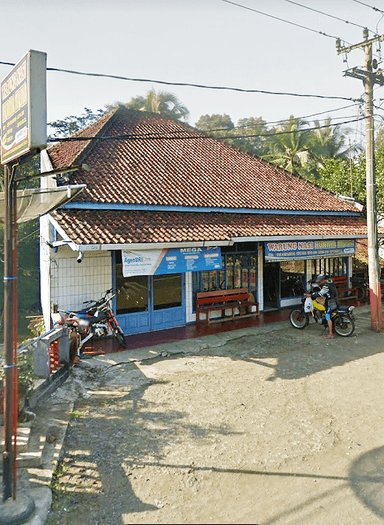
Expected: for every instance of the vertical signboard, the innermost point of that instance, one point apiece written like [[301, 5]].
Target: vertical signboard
[[24, 107]]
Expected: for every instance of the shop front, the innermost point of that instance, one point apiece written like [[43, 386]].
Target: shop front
[[290, 267], [152, 285]]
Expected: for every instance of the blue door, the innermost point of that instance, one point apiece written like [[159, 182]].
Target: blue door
[[148, 303]]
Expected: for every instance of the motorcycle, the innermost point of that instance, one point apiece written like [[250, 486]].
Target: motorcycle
[[96, 321], [342, 317]]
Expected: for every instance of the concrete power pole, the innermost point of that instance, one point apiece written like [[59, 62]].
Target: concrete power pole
[[369, 78]]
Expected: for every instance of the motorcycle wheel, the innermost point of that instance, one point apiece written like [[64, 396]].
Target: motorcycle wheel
[[298, 319], [344, 325], [120, 338]]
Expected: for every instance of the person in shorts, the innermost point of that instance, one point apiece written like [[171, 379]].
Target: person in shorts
[[328, 290]]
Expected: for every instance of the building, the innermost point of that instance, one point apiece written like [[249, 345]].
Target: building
[[168, 211]]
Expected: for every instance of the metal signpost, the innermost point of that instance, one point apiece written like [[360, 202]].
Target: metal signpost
[[23, 133]]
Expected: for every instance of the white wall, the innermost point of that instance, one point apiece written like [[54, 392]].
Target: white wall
[[72, 283]]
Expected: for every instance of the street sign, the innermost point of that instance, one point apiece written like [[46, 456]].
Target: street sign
[[24, 108]]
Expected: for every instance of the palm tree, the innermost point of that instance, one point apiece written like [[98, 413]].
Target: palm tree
[[288, 148], [160, 102], [328, 142]]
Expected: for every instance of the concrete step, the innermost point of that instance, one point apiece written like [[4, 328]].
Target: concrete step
[[39, 442]]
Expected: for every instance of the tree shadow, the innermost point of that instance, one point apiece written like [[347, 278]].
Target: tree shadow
[[114, 429], [367, 480], [299, 353]]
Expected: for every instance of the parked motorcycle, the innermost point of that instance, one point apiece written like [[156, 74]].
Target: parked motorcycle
[[342, 318], [96, 321]]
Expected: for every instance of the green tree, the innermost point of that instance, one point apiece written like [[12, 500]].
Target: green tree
[[69, 125], [215, 122], [248, 135], [289, 146], [161, 102], [252, 136], [28, 236], [326, 142]]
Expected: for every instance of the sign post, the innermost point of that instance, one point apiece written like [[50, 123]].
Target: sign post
[[23, 133]]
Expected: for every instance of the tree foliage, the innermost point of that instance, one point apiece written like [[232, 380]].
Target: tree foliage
[[161, 102], [27, 252], [72, 124], [348, 177]]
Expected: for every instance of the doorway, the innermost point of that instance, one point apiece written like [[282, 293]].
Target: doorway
[[147, 303], [271, 285]]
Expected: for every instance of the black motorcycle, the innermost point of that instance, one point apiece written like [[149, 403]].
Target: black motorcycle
[[342, 318]]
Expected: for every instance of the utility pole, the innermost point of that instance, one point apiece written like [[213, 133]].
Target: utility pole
[[369, 78]]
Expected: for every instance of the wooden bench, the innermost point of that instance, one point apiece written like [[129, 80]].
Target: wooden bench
[[222, 300], [344, 291]]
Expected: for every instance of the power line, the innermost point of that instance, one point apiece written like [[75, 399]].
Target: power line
[[154, 136], [281, 122], [186, 84], [325, 14], [370, 6], [280, 19]]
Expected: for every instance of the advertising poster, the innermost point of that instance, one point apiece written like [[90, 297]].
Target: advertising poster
[[170, 260]]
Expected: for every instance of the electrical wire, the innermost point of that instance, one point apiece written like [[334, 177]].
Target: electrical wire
[[370, 6], [155, 136], [186, 84], [280, 19], [284, 121], [325, 14]]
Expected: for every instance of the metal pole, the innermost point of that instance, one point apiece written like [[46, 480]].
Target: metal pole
[[10, 276], [373, 256]]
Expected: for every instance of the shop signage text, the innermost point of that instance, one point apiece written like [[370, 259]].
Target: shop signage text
[[309, 249], [24, 108], [170, 260]]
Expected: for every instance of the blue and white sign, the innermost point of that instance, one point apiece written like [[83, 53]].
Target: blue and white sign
[[170, 260], [309, 249]]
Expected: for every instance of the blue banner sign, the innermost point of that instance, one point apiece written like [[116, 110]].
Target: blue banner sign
[[309, 249], [170, 260]]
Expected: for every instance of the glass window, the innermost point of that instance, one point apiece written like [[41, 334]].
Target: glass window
[[239, 271], [166, 291], [335, 267], [133, 294]]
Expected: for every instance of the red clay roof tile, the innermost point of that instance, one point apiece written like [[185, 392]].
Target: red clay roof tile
[[164, 162], [128, 227]]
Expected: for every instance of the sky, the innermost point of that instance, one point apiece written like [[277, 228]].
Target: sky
[[282, 48]]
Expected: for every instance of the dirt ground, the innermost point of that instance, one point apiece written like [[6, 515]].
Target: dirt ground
[[269, 426]]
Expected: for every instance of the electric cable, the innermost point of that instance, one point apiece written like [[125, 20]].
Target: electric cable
[[281, 19], [186, 84], [326, 14], [203, 135], [370, 6], [284, 121]]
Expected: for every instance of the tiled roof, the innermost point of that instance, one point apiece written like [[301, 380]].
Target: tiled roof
[[166, 163], [127, 227]]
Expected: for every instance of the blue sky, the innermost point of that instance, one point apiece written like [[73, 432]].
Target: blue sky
[[209, 42]]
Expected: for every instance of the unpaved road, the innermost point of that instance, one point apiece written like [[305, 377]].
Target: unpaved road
[[272, 426]]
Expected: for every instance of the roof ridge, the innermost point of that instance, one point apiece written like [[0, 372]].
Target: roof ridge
[[84, 145]]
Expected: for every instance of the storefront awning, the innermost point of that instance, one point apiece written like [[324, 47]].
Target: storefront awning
[[33, 203]]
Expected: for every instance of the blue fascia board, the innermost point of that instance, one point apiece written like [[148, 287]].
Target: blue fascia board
[[195, 209]]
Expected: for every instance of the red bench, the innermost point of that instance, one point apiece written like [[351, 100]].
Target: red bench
[[345, 291], [222, 300]]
